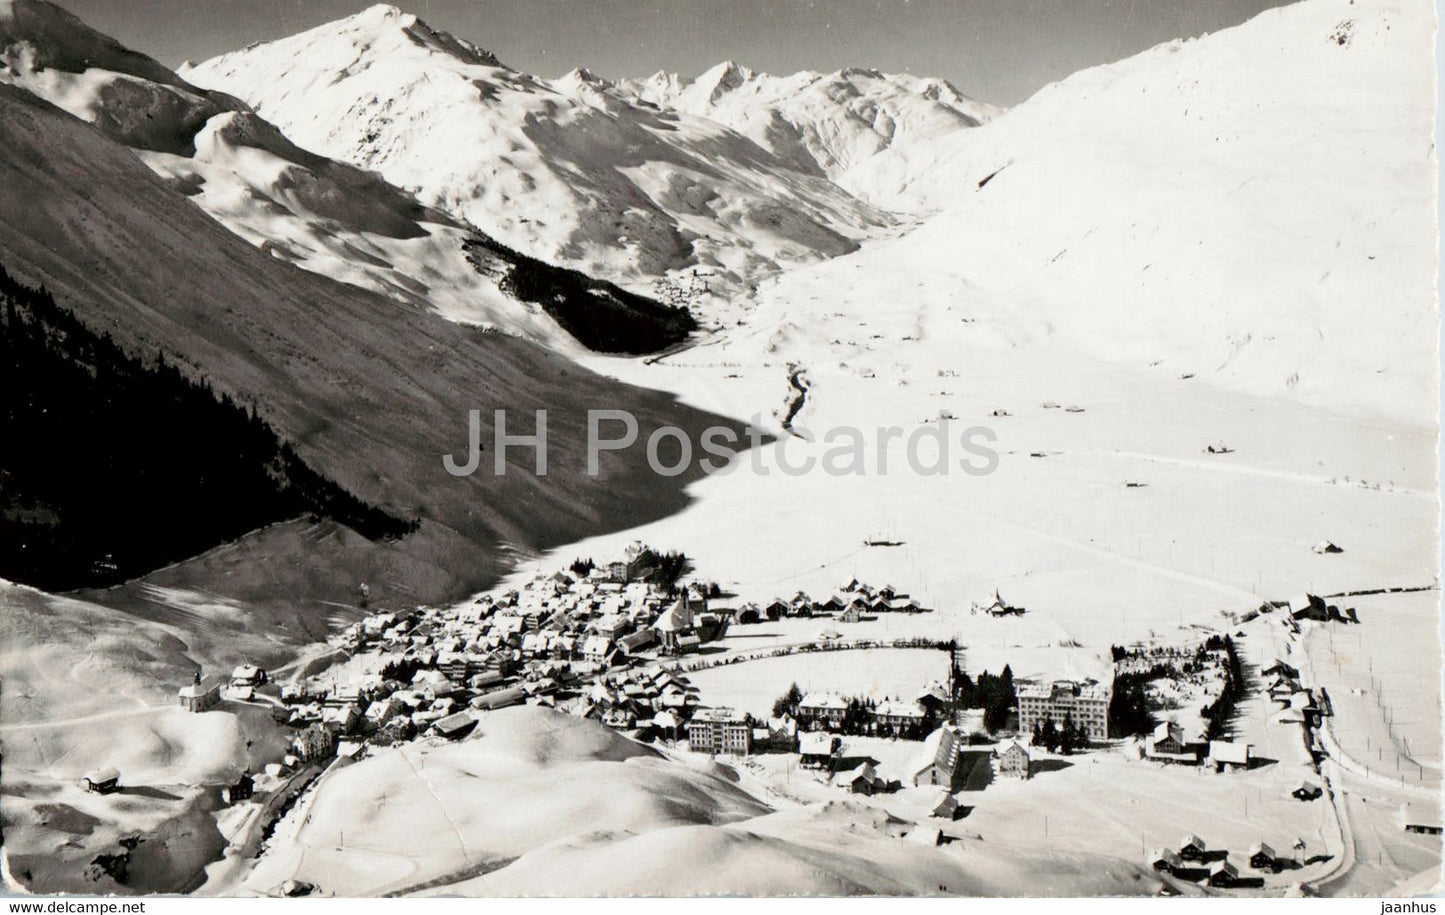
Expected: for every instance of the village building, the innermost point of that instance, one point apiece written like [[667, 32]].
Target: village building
[[899, 714], [1307, 791], [248, 675], [314, 742], [1013, 760], [1263, 858], [1308, 607], [673, 624], [1229, 754], [455, 726], [1087, 704], [998, 607], [720, 730], [817, 749], [821, 710], [1192, 848], [200, 695], [242, 789], [1223, 873], [101, 781], [937, 760], [1166, 860], [863, 780], [499, 698]]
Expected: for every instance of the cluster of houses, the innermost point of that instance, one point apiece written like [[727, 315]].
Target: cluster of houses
[[1194, 861], [1306, 606], [1170, 744], [850, 604]]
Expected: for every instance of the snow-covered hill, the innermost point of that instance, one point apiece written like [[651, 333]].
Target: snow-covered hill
[[1253, 208], [873, 134], [569, 170]]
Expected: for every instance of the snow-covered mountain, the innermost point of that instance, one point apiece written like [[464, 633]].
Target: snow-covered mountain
[[871, 133], [569, 170], [325, 216]]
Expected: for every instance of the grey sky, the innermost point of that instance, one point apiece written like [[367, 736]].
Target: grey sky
[[998, 51]]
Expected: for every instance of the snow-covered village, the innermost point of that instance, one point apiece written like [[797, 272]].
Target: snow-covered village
[[436, 470]]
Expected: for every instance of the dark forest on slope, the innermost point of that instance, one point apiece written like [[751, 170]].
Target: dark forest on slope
[[602, 316], [112, 466]]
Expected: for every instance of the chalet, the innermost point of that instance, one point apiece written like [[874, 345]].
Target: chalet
[[341, 719], [1308, 607], [1013, 760], [903, 604], [863, 780], [248, 675], [1192, 848], [818, 749], [852, 615], [666, 724], [1223, 873], [597, 648], [200, 695], [1168, 739], [1229, 754], [242, 789], [937, 760], [101, 781], [1307, 791], [777, 609], [455, 726], [383, 710], [1166, 860], [1280, 669], [720, 730], [1263, 858]]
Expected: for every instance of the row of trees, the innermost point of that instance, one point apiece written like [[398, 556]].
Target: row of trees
[[601, 315], [994, 694], [1218, 712], [1063, 739]]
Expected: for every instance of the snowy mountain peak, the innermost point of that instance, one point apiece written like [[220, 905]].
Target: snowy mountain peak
[[385, 29], [872, 133], [724, 78]]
